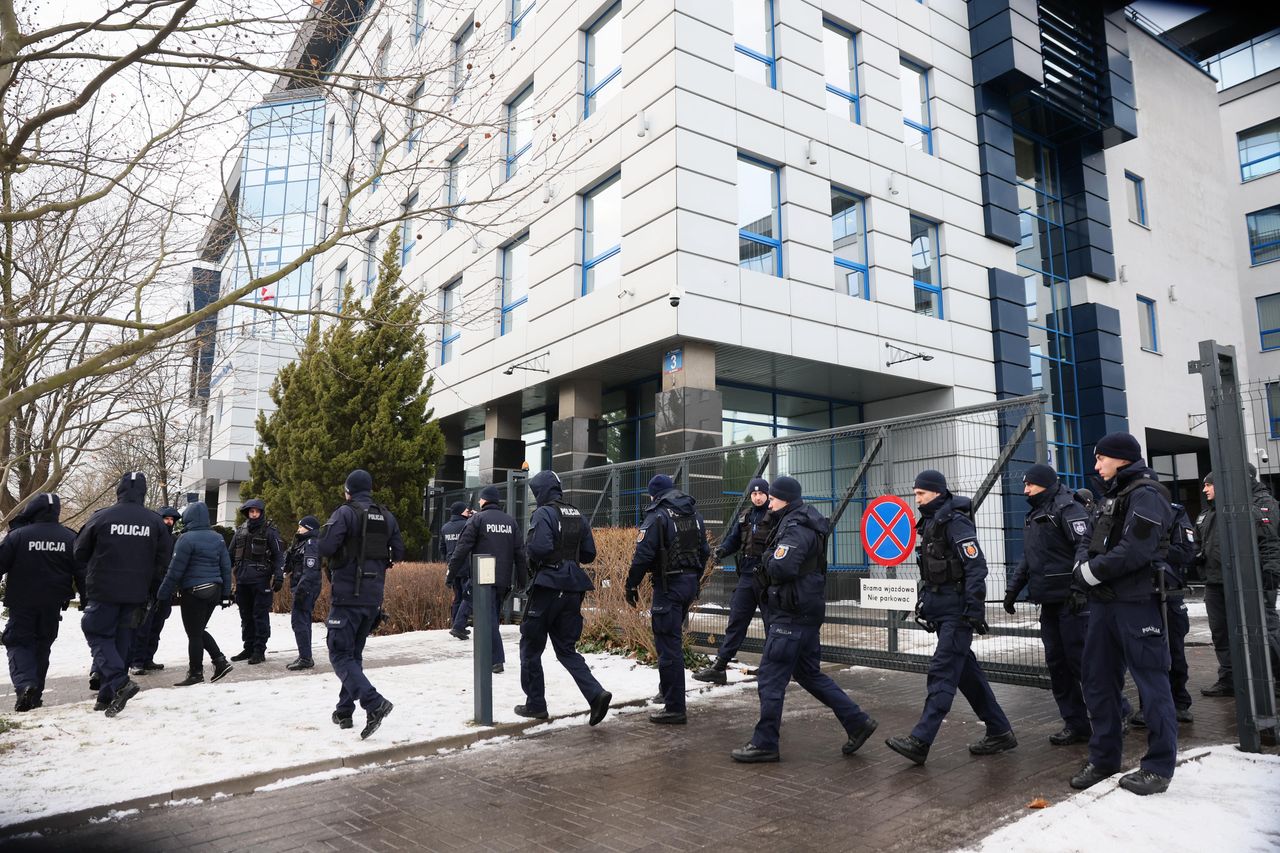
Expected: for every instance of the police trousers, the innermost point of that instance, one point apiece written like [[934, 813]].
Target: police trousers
[[742, 608], [1062, 633], [1179, 625], [109, 629], [27, 639], [667, 614], [556, 614], [1129, 635], [254, 601], [793, 651], [146, 640], [349, 627], [300, 616], [953, 667]]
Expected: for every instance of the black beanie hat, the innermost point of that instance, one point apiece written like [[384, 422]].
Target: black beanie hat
[[759, 484], [457, 507], [310, 522], [490, 494], [931, 481], [785, 489], [1041, 475], [1119, 445], [358, 481], [659, 484], [1208, 479]]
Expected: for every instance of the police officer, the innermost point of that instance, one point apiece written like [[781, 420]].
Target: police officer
[[672, 546], [796, 567], [748, 534], [361, 541], [126, 550], [559, 543], [147, 638], [1182, 554], [302, 562], [1129, 545], [257, 563], [1055, 538], [490, 531], [449, 532], [37, 559], [953, 574]]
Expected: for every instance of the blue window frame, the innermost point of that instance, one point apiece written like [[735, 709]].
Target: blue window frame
[[380, 63], [519, 129], [1273, 409], [1149, 332], [753, 41], [520, 10], [840, 66], [926, 268], [330, 131], [419, 19], [759, 216], [849, 243], [407, 234], [375, 155], [1264, 235], [370, 263], [461, 73], [915, 106], [1259, 150], [602, 235], [449, 331], [456, 186], [1137, 196], [604, 58], [1269, 320], [411, 118], [515, 282]]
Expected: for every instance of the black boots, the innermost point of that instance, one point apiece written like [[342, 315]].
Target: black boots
[[1089, 776], [342, 721], [220, 669], [599, 707], [909, 747], [195, 676], [752, 754], [714, 674], [669, 718], [27, 700], [524, 711], [256, 658], [123, 695], [300, 664], [1068, 736], [858, 738], [374, 718], [991, 744], [1144, 782], [244, 655]]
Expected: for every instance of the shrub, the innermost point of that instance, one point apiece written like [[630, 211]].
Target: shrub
[[416, 599]]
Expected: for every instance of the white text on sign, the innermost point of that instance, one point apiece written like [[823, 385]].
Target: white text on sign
[[888, 594]]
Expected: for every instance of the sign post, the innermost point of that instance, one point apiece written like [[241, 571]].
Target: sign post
[[888, 538], [483, 575]]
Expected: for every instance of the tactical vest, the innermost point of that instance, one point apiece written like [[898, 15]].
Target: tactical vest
[[1108, 526], [569, 533], [373, 541], [757, 538], [939, 563], [251, 547], [682, 550]]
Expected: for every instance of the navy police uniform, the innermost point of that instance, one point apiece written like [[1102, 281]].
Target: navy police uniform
[[361, 540], [1130, 544], [672, 546], [257, 564], [147, 638], [1056, 537], [796, 569], [559, 543], [302, 562], [37, 562], [449, 533], [495, 533], [126, 549], [1181, 556]]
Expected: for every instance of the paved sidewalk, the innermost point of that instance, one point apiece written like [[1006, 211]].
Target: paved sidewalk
[[628, 785]]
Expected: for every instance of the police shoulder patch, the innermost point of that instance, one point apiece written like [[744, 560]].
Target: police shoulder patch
[[640, 536], [311, 562], [1079, 527], [970, 549], [780, 552]]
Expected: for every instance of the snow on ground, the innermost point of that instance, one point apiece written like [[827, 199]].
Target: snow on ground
[[66, 757], [1220, 799]]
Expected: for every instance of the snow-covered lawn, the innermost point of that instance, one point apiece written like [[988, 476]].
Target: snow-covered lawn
[[65, 757], [1220, 799]]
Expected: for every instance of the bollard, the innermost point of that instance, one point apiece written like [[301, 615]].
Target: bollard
[[483, 574]]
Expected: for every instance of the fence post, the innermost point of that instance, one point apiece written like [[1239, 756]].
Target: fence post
[[483, 575], [1241, 573]]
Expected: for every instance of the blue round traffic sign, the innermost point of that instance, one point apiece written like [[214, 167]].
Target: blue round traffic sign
[[888, 530]]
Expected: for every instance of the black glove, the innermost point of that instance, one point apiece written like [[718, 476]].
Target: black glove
[[978, 624], [1077, 601], [66, 604], [228, 600], [633, 596], [720, 555], [277, 583], [80, 604], [1009, 598]]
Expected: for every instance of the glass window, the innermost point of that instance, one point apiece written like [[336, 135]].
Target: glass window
[[339, 287], [915, 106], [1136, 189], [753, 40], [375, 155], [519, 128], [323, 229], [370, 262], [759, 223], [353, 107], [456, 188], [849, 243], [461, 69], [1273, 408], [380, 62], [407, 231], [411, 117], [1264, 235], [602, 236], [330, 131], [1148, 332], [449, 331], [604, 58], [521, 11], [840, 64], [515, 282], [419, 19], [926, 271], [1246, 61], [1269, 320], [1259, 150]]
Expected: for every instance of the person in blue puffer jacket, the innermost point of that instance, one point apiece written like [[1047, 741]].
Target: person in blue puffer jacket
[[201, 571]]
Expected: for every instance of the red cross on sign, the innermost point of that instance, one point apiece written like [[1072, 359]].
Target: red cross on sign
[[888, 530]]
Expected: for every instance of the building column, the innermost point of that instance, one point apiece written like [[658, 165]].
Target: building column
[[1103, 404], [228, 503], [451, 471], [502, 449], [577, 437], [688, 415]]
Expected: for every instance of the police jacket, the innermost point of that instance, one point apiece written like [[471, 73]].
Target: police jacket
[[1182, 547], [1055, 538], [199, 556], [351, 559], [659, 545], [1130, 534], [126, 547], [953, 571], [1210, 556], [257, 555], [560, 540], [449, 533], [748, 533], [796, 563], [37, 559], [302, 562], [1266, 517], [491, 531]]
